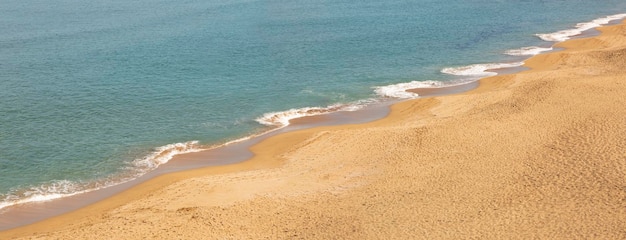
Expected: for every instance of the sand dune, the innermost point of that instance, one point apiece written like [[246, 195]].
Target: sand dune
[[538, 154]]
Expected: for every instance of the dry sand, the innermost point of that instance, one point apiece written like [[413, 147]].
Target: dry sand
[[538, 154]]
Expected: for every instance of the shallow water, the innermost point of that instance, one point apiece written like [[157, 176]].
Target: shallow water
[[95, 92]]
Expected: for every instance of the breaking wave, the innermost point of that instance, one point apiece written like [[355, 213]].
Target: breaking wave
[[527, 51], [580, 28], [281, 119], [400, 90], [479, 70], [65, 188]]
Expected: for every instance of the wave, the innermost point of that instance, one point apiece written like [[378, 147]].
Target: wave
[[527, 51], [479, 70], [66, 188], [163, 154], [400, 90], [281, 119], [580, 28], [44, 192]]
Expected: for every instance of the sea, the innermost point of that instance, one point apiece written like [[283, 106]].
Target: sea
[[95, 93]]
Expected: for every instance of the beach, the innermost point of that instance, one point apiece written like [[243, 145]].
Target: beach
[[535, 154]]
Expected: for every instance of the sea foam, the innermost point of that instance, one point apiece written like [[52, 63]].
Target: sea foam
[[479, 70], [282, 118], [66, 188], [44, 192], [400, 90], [527, 51], [580, 28], [163, 154]]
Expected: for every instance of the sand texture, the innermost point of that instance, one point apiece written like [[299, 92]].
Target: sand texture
[[538, 154]]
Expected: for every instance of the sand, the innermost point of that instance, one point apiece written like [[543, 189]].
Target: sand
[[537, 154]]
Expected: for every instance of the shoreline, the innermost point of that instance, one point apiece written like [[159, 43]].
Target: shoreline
[[326, 115], [230, 153], [238, 151], [263, 154], [233, 152]]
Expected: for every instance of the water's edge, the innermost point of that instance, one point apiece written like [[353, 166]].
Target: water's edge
[[20, 214]]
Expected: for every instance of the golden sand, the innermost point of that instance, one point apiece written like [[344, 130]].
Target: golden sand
[[538, 154]]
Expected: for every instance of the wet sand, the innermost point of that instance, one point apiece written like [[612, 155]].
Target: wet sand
[[28, 213], [441, 91], [536, 154]]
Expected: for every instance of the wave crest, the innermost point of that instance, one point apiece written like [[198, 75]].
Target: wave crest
[[163, 154], [479, 70], [580, 28], [400, 90], [282, 118], [44, 192], [527, 51], [64, 188]]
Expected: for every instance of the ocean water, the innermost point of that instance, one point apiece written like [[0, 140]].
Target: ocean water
[[97, 92]]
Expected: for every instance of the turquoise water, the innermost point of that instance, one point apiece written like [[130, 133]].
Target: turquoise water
[[91, 92]]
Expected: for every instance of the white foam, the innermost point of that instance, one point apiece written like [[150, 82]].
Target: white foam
[[580, 28], [479, 70], [527, 51], [163, 154], [400, 90], [65, 188], [44, 192], [281, 119]]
